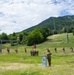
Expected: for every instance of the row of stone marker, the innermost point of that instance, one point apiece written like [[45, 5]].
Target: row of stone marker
[[64, 50], [35, 52], [32, 52]]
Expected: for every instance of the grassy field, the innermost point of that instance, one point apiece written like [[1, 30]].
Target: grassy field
[[22, 63]]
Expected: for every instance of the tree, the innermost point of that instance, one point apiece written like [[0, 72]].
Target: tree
[[34, 37], [45, 32], [4, 36], [25, 34], [13, 36]]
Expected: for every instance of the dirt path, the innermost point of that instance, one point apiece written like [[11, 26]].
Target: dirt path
[[16, 66]]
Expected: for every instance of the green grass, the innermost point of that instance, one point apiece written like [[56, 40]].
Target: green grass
[[22, 63], [59, 40]]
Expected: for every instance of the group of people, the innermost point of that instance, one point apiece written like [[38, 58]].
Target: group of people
[[34, 52]]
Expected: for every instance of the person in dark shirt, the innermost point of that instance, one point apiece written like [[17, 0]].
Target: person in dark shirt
[[49, 57], [32, 52]]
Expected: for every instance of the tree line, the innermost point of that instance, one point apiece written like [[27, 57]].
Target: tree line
[[37, 36]]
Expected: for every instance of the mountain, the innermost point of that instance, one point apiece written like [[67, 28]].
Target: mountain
[[55, 22]]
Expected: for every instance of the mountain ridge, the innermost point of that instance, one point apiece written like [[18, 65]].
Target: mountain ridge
[[55, 22]]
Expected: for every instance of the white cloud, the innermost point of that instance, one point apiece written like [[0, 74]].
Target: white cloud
[[17, 15]]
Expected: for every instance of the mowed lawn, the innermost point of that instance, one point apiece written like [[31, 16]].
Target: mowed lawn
[[22, 63]]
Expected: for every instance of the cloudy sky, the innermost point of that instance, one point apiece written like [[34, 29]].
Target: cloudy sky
[[17, 15]]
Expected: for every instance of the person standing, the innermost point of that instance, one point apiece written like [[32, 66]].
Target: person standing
[[49, 57], [34, 46]]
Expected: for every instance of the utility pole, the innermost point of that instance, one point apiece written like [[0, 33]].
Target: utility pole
[[67, 37]]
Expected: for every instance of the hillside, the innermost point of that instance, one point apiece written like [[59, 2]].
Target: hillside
[[22, 63], [55, 22]]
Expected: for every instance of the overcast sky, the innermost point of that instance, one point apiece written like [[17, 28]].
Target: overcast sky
[[17, 15]]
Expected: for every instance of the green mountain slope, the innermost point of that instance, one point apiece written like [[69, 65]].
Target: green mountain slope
[[55, 22]]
